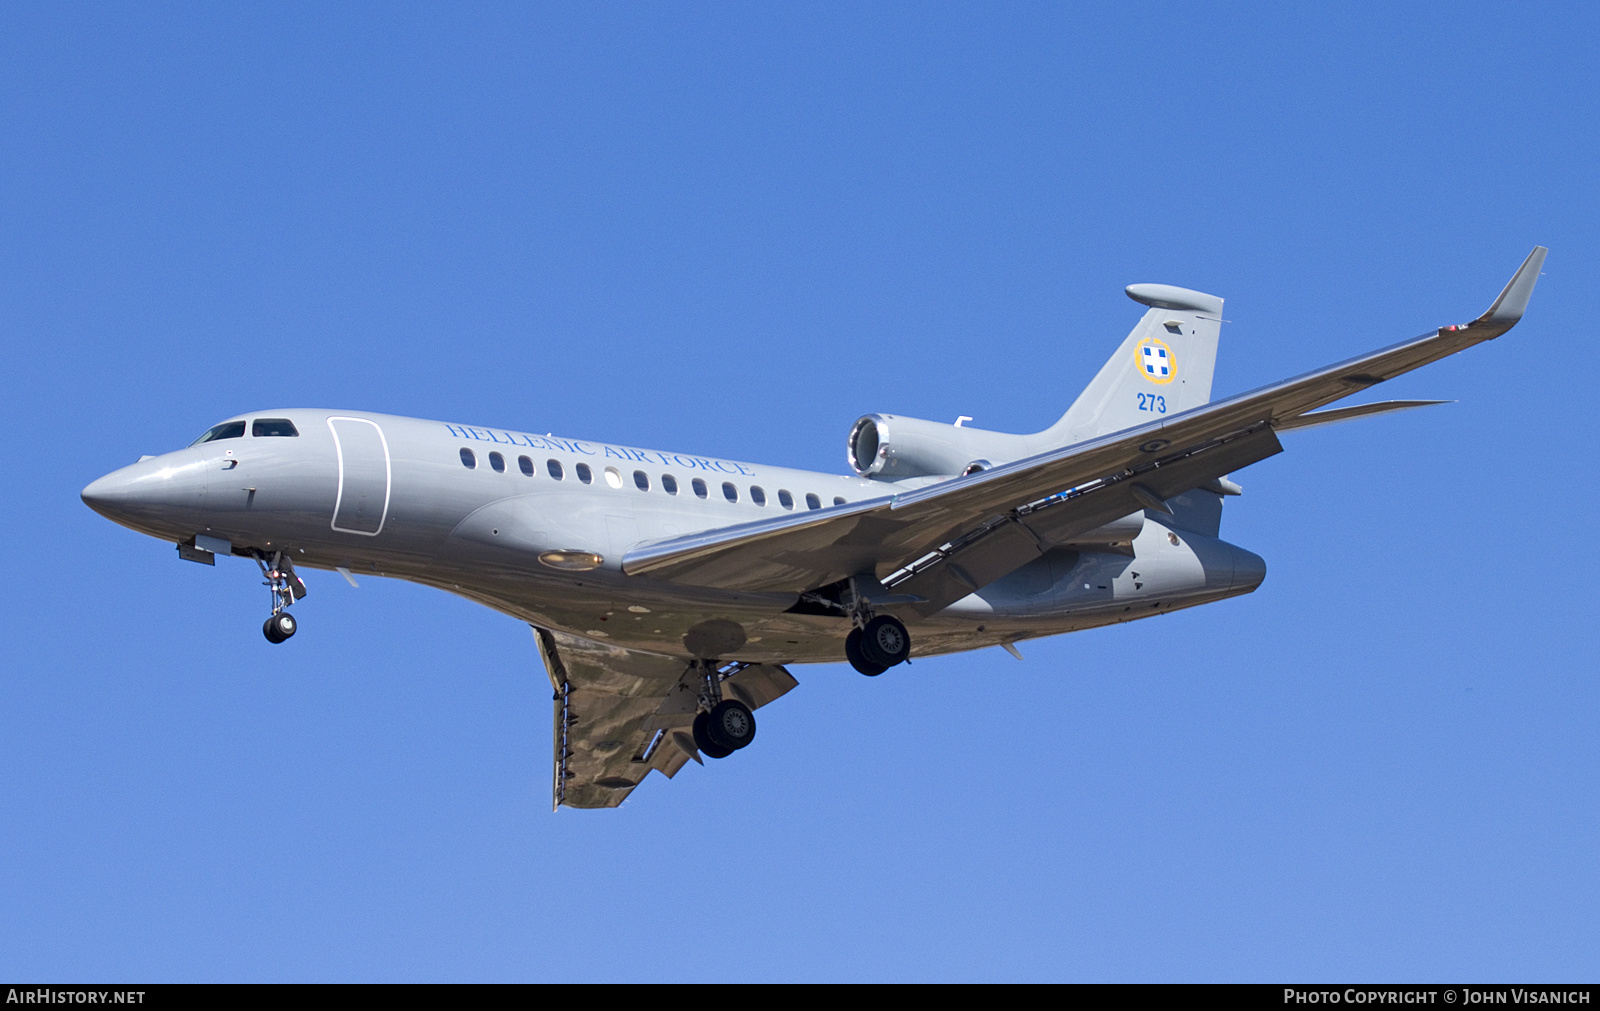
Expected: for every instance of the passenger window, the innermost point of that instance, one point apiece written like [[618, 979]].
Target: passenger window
[[263, 428], [729, 492], [526, 465], [699, 488], [758, 495], [838, 500], [614, 477], [812, 502], [554, 467], [468, 460], [226, 430], [641, 480], [584, 473], [669, 484], [785, 499], [498, 462]]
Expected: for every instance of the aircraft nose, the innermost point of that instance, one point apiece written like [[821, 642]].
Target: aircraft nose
[[103, 494], [161, 495]]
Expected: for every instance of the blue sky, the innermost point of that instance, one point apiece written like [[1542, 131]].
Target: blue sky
[[733, 229]]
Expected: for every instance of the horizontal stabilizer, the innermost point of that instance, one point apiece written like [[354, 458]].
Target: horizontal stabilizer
[[1339, 414]]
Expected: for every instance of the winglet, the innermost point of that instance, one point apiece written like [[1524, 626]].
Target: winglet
[[1513, 301]]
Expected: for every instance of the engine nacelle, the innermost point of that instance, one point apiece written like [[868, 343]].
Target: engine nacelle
[[891, 447]]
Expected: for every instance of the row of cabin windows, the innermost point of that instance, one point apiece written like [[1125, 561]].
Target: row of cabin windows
[[641, 480]]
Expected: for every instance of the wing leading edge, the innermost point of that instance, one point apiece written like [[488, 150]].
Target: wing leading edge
[[945, 540]]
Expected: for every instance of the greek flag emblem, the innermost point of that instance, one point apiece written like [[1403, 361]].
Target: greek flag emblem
[[1156, 361]]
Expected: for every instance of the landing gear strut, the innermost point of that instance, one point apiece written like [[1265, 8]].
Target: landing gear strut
[[722, 726], [286, 588]]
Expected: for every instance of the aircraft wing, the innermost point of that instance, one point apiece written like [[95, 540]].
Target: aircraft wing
[[620, 713], [943, 541]]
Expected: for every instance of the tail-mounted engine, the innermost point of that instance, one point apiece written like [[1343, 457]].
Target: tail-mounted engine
[[890, 447]]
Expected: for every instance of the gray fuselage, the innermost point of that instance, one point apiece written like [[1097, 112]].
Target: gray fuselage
[[383, 495]]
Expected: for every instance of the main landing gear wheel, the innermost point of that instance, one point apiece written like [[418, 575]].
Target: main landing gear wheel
[[885, 641], [852, 652], [703, 741], [722, 726], [279, 627], [731, 725]]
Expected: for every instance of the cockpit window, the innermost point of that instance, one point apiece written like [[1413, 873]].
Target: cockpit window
[[226, 430], [261, 428]]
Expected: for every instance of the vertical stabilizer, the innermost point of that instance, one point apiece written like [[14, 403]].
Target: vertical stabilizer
[[1163, 367]]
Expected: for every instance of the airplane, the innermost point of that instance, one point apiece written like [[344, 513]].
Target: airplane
[[667, 591]]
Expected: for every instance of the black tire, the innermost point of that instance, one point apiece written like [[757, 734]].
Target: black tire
[[279, 627], [731, 725], [885, 641], [852, 652], [703, 741]]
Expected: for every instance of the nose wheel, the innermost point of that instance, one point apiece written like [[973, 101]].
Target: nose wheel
[[286, 587], [279, 627]]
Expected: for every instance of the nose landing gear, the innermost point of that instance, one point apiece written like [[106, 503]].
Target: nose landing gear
[[286, 587]]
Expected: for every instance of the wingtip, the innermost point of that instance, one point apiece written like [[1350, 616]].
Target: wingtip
[[1513, 300]]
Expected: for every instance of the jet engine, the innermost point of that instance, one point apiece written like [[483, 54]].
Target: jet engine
[[889, 447]]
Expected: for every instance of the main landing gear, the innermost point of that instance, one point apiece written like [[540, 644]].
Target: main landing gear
[[722, 726], [286, 588], [878, 642]]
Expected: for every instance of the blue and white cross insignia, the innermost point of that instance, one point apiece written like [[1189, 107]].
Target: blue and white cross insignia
[[1156, 361]]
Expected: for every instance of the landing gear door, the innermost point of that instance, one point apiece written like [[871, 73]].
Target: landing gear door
[[365, 476]]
